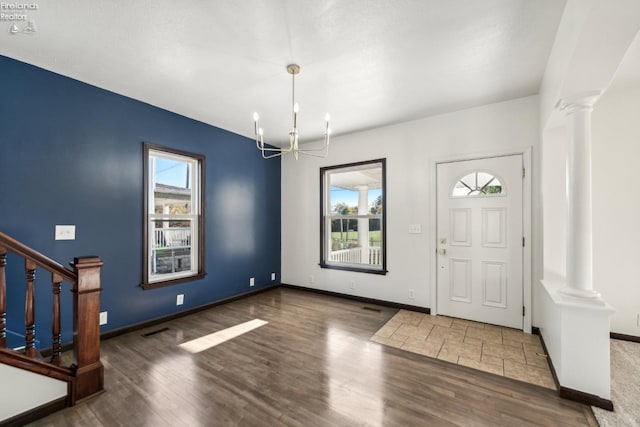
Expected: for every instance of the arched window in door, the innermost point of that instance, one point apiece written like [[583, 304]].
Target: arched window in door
[[478, 184]]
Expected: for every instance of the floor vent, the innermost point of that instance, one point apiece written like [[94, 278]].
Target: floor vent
[[377, 310], [148, 334]]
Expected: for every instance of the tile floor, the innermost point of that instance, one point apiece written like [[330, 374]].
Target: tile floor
[[501, 351]]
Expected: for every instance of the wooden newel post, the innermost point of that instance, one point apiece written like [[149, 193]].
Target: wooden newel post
[[86, 328]]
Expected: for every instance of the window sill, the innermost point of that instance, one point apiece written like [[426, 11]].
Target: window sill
[[163, 283], [354, 269]]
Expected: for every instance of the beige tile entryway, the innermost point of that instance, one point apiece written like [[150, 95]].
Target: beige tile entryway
[[501, 351]]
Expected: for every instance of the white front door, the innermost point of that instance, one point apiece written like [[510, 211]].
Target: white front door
[[480, 240]]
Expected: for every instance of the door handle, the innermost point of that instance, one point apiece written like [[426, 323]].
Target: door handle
[[443, 251]]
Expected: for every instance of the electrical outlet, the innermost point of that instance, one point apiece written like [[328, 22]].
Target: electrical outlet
[[180, 299], [411, 296], [252, 281], [103, 318], [311, 279], [352, 284], [273, 276]]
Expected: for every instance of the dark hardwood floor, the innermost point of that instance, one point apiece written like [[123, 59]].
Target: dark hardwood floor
[[311, 365]]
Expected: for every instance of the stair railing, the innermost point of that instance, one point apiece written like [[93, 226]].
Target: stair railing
[[85, 376]]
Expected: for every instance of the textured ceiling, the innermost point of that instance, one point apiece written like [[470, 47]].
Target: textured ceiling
[[368, 62]]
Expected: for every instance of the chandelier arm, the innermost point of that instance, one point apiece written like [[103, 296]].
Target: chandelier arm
[[323, 148], [279, 150], [321, 156], [271, 156]]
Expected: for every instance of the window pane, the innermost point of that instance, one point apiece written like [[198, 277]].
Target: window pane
[[344, 233], [469, 180], [375, 201], [352, 244], [172, 186], [484, 178], [166, 201], [494, 188], [171, 246], [460, 190], [174, 173]]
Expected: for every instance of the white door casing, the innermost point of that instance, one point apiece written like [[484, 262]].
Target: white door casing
[[480, 240]]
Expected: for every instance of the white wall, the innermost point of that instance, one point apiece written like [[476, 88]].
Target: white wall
[[616, 204], [22, 391], [411, 150], [554, 198]]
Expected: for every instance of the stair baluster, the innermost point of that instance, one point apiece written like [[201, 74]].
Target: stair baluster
[[56, 347], [29, 310]]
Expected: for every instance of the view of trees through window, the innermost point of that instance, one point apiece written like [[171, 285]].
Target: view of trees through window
[[344, 230]]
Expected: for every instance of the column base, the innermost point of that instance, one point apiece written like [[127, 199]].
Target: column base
[[576, 333], [580, 293]]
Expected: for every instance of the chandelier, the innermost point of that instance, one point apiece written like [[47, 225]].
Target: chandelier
[[293, 147]]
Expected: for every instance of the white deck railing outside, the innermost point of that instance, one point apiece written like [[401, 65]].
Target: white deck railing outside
[[174, 237], [354, 256]]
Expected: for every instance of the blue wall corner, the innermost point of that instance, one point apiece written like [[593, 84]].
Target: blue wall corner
[[71, 153]]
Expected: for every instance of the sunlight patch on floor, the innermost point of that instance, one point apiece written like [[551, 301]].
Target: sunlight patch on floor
[[208, 341]]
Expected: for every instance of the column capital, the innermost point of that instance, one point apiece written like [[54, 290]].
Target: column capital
[[581, 101]]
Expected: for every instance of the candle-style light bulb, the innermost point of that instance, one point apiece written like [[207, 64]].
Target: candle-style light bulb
[[296, 107], [327, 117], [261, 132], [255, 117]]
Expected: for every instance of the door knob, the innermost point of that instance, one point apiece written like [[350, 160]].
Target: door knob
[[443, 251]]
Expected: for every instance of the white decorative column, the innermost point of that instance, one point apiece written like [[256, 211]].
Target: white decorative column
[[363, 223], [579, 201], [574, 320]]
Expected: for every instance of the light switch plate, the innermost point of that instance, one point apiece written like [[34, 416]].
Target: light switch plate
[[65, 232]]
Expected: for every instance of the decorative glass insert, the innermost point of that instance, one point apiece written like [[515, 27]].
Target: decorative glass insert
[[477, 184]]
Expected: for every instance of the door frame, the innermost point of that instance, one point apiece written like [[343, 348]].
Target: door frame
[[526, 224]]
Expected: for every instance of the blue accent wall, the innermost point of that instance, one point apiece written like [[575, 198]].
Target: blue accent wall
[[71, 153]]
